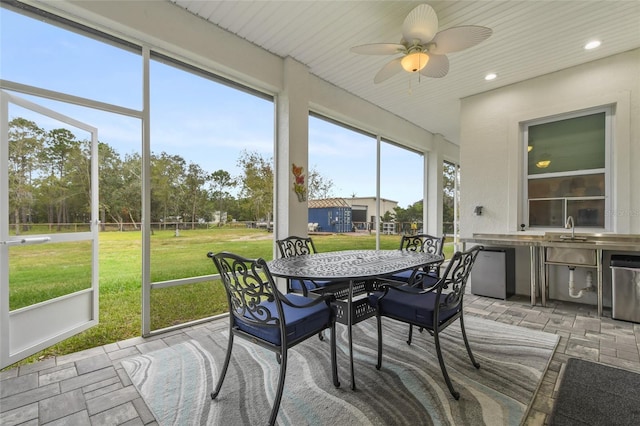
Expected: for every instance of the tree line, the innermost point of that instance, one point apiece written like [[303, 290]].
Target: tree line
[[50, 176]]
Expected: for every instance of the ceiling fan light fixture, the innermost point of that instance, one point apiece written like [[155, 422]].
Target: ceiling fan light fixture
[[414, 62]]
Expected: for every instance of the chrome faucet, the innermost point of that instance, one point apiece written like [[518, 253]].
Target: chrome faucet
[[570, 225]]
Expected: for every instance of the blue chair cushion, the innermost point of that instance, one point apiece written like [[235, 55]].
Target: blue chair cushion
[[300, 322], [296, 285], [430, 279], [411, 307]]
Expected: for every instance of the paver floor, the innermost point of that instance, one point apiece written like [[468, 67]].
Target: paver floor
[[91, 387]]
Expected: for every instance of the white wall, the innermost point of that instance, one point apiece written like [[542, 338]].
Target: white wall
[[491, 149]]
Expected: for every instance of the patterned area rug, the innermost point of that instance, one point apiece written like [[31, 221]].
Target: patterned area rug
[[409, 388]]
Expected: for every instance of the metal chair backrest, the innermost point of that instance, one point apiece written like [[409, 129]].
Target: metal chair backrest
[[454, 279], [248, 283], [296, 246], [423, 243]]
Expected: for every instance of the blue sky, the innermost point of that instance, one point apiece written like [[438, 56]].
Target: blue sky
[[202, 121]]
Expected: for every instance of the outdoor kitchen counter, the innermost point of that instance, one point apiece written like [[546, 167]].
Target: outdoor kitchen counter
[[619, 242], [539, 243]]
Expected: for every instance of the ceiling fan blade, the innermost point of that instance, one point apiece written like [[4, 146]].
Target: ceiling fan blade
[[389, 70], [379, 49], [420, 24], [437, 67], [459, 38]]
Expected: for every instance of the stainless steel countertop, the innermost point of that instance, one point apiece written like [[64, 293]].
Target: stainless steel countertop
[[622, 242]]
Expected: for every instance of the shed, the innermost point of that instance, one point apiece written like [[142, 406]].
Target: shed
[[331, 215]]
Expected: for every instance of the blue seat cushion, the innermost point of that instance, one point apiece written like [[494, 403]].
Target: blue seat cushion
[[299, 322], [428, 280], [296, 285], [411, 307]]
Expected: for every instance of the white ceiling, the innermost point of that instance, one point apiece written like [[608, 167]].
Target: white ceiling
[[530, 38]]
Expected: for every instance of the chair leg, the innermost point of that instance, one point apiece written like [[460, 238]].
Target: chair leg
[[379, 320], [278, 397], [225, 366], [410, 334], [455, 394], [466, 343], [334, 357]]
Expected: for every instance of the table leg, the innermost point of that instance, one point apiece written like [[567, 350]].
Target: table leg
[[600, 274], [544, 284], [533, 258], [350, 331]]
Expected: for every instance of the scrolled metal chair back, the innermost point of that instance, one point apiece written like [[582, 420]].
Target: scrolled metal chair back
[[452, 285], [296, 246], [422, 243], [248, 284]]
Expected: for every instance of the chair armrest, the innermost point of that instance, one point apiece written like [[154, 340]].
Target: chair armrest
[[326, 298], [406, 289], [390, 281]]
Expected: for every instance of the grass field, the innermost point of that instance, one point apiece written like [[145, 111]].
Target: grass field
[[41, 272]]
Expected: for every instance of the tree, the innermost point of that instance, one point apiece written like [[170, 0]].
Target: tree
[[220, 181], [319, 186], [120, 186], [59, 158], [195, 194], [26, 140], [77, 202], [130, 195], [257, 184], [450, 176], [110, 180], [167, 173], [388, 217], [413, 213]]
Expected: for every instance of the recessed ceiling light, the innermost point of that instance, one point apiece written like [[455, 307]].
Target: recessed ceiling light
[[490, 76], [592, 45]]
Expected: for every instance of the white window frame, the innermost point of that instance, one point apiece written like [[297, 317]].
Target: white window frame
[[608, 123]]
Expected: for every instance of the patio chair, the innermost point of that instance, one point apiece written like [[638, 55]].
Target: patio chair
[[422, 243], [426, 277], [265, 316], [297, 246], [433, 309]]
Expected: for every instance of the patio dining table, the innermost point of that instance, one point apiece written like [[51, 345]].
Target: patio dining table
[[352, 266]]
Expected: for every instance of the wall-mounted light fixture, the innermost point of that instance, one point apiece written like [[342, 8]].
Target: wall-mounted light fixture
[[478, 211]]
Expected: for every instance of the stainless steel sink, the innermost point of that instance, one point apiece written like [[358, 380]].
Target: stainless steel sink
[[571, 256], [582, 240], [572, 238]]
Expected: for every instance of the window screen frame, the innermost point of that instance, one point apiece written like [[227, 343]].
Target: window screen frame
[[606, 170]]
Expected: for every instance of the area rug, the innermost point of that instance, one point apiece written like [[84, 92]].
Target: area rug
[[409, 389], [596, 394]]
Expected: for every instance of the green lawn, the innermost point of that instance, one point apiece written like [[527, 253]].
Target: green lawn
[[41, 272]]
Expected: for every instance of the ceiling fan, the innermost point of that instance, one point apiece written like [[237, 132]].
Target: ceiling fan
[[423, 48]]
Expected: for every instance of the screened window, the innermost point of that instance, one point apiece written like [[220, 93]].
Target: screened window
[[450, 198], [63, 57], [567, 171]]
